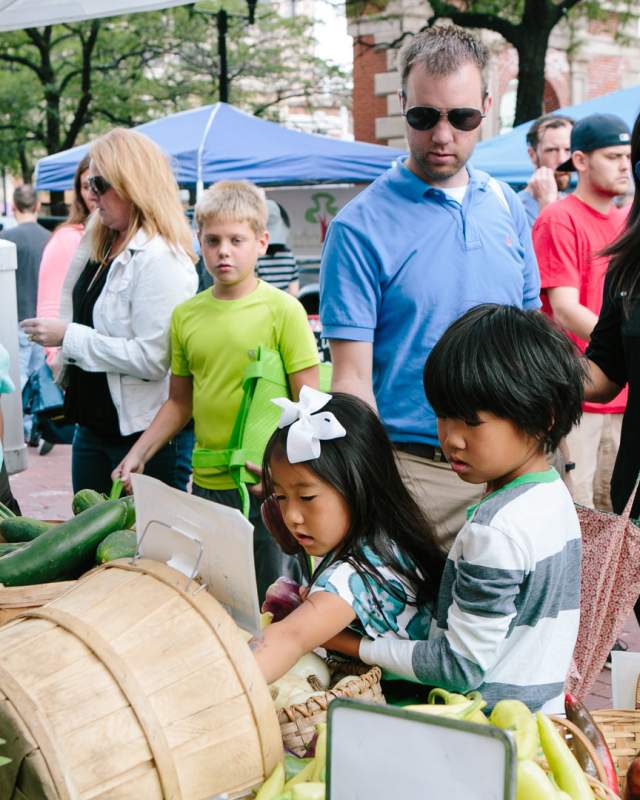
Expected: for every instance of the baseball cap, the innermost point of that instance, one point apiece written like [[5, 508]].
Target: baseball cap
[[596, 131]]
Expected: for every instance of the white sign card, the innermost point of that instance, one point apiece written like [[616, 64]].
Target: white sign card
[[625, 669], [198, 536], [383, 752]]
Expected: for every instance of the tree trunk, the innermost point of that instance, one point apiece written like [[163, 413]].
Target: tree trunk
[[531, 75], [25, 164]]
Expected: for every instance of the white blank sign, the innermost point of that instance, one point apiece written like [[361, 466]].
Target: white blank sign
[[386, 753]]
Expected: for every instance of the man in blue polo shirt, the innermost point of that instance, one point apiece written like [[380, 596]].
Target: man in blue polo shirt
[[425, 242]]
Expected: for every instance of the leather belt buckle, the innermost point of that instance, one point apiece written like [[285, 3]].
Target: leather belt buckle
[[438, 456]]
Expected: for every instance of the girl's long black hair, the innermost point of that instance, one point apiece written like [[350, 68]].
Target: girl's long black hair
[[625, 251], [362, 468]]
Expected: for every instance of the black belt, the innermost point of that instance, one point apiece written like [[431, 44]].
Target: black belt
[[421, 450]]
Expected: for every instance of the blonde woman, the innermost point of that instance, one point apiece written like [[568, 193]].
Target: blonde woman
[[132, 267]]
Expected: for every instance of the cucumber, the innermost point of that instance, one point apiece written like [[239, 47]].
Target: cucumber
[[10, 547], [86, 498], [119, 544], [22, 529], [65, 551], [6, 513]]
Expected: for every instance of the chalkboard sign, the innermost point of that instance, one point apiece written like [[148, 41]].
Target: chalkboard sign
[[388, 753]]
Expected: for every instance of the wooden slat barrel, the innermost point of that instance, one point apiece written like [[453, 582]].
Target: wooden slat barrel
[[130, 687], [15, 600]]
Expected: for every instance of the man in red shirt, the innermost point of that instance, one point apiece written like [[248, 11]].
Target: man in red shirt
[[568, 237]]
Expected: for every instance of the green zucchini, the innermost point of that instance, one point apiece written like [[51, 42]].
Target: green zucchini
[[119, 544], [22, 529], [10, 547], [6, 513], [66, 550], [86, 498]]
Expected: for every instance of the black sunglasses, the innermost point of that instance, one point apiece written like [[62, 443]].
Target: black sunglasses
[[423, 118], [98, 184]]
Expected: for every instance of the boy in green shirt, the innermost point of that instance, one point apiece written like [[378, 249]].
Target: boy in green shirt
[[211, 336]]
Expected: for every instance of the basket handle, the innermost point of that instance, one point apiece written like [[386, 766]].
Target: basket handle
[[561, 722], [638, 693]]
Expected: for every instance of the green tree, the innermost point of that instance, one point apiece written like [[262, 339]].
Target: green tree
[[59, 80], [269, 63], [62, 84], [525, 24]]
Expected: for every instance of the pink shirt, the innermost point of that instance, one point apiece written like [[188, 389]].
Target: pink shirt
[[55, 262]]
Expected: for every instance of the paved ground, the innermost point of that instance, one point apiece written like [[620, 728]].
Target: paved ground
[[44, 492]]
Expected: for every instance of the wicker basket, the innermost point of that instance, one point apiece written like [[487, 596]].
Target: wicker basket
[[621, 729], [598, 784], [297, 722]]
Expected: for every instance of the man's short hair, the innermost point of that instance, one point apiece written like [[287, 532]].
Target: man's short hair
[[233, 201], [25, 198], [442, 50], [545, 123]]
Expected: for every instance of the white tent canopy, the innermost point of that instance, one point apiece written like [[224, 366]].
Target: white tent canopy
[[16, 14]]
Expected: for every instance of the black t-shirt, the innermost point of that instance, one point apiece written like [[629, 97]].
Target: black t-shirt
[[615, 348], [88, 399]]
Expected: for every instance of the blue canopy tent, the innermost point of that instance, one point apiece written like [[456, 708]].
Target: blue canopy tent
[[219, 142], [505, 157]]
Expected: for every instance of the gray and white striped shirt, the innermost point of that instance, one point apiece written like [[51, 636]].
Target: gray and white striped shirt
[[509, 603]]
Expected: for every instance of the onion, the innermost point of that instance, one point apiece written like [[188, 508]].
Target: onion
[[311, 665], [282, 598]]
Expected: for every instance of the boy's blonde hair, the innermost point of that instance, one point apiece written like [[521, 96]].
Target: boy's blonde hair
[[139, 172], [233, 201]]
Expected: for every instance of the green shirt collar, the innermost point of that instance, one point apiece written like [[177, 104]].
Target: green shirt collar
[[548, 476]]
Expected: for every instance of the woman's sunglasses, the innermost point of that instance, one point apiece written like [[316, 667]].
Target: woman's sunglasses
[[98, 185], [423, 118]]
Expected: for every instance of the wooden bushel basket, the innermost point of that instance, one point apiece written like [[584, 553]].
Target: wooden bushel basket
[[14, 600], [131, 686]]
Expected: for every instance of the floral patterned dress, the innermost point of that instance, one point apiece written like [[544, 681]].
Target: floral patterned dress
[[383, 607]]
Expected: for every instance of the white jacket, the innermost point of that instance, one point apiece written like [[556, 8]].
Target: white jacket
[[130, 340]]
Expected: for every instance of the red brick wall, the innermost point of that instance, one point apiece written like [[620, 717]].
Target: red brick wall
[[604, 75], [550, 100], [367, 62]]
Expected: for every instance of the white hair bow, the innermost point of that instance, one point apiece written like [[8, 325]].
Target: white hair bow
[[308, 428]]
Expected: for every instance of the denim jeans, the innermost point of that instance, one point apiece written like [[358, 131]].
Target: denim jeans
[[270, 561], [94, 457]]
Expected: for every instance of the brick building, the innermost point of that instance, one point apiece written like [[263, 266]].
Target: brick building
[[583, 61]]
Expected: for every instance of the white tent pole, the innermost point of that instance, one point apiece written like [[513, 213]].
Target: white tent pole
[[200, 168]]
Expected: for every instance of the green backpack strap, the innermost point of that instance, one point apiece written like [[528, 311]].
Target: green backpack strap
[[264, 379], [326, 373]]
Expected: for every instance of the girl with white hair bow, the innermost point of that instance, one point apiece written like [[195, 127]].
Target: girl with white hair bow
[[334, 493]]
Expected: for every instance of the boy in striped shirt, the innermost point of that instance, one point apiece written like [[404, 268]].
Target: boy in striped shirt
[[506, 386]]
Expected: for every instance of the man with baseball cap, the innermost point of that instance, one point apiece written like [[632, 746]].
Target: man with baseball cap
[[569, 236]]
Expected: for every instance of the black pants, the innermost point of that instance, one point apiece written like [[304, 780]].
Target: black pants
[[6, 497], [94, 457]]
